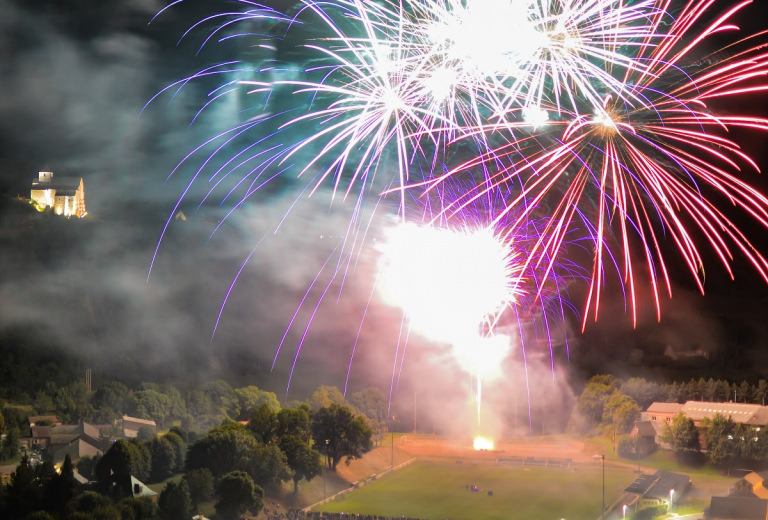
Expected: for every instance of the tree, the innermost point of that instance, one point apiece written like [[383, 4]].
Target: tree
[[200, 484], [10, 445], [325, 396], [179, 448], [761, 392], [642, 391], [86, 466], [719, 436], [622, 411], [263, 423], [743, 392], [237, 494], [592, 401], [268, 467], [293, 422], [163, 459], [151, 404], [175, 502], [372, 403], [222, 397], [682, 435], [339, 434], [303, 460], [224, 449], [22, 492], [123, 459], [250, 397], [60, 492], [137, 508], [113, 396]]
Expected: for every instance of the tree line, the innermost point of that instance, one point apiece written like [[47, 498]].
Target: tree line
[[197, 409], [235, 463]]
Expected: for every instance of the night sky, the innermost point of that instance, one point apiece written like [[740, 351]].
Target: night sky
[[74, 77]]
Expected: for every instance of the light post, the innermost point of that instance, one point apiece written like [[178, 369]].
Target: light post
[[602, 460], [671, 498], [392, 453], [602, 511], [327, 462], [624, 511]]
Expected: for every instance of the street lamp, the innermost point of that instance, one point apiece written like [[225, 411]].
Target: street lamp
[[327, 462], [392, 434], [671, 497], [602, 460]]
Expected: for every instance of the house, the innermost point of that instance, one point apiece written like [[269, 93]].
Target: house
[[43, 420], [644, 433], [75, 440], [752, 485], [132, 425], [66, 195], [660, 488], [736, 508], [139, 489], [662, 413], [80, 441]]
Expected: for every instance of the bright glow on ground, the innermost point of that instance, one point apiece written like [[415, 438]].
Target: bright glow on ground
[[483, 443]]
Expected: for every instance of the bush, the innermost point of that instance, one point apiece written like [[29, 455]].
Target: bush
[[650, 512]]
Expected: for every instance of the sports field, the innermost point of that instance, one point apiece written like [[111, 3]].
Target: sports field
[[438, 490]]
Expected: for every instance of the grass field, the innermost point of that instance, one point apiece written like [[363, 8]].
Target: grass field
[[438, 490]]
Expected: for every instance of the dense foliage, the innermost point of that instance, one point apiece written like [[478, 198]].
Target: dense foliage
[[234, 462]]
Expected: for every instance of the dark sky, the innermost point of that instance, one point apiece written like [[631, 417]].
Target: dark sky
[[74, 77]]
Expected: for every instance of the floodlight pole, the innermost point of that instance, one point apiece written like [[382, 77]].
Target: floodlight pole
[[325, 468], [602, 511], [392, 452]]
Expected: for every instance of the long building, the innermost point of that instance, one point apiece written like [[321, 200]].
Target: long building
[[742, 413]]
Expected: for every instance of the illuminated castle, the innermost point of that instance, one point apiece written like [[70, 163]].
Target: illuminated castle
[[66, 195]]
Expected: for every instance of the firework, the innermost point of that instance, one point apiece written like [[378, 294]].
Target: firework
[[648, 172], [467, 282], [600, 119], [408, 81]]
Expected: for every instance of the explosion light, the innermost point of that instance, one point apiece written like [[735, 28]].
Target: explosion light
[[483, 443]]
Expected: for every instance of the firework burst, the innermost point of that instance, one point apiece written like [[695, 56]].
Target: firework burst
[[653, 171]]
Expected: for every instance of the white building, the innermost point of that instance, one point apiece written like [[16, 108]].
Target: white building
[[66, 195]]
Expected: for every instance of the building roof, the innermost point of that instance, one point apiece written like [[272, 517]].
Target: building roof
[[738, 508], [658, 407], [145, 422], [645, 429], [738, 412], [667, 481], [756, 482], [65, 433], [641, 484], [57, 183], [138, 489], [35, 419], [79, 478], [659, 484], [41, 432], [752, 414]]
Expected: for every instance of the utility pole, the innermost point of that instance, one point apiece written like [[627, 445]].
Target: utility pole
[[602, 511], [392, 436]]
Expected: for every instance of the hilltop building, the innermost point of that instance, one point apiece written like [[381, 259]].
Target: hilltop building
[[66, 195]]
